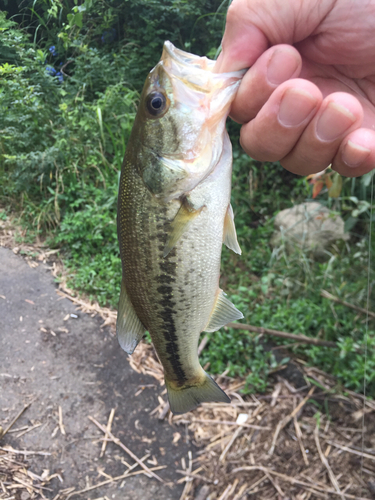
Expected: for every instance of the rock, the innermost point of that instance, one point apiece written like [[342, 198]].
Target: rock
[[310, 227]]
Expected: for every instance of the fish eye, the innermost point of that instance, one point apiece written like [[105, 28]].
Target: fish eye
[[156, 104]]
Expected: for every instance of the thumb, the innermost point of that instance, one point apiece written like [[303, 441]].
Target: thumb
[[242, 43], [254, 25]]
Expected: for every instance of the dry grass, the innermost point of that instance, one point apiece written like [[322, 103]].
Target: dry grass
[[289, 444], [17, 481]]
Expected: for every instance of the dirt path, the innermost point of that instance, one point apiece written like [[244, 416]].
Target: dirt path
[[55, 360]]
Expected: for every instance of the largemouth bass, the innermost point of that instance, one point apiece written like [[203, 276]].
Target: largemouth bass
[[174, 214]]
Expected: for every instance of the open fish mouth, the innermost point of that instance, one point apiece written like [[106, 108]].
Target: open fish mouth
[[196, 74], [193, 68]]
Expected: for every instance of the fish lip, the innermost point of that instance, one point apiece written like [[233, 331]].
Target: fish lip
[[186, 58], [201, 63]]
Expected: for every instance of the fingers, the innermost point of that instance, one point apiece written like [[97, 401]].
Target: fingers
[[356, 155], [307, 133], [278, 126], [274, 67], [338, 115]]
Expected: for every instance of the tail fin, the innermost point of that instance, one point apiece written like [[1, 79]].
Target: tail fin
[[187, 398]]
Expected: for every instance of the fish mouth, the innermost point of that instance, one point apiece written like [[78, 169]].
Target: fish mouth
[[185, 58], [196, 71], [197, 88]]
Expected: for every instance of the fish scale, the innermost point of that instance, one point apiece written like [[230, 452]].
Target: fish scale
[[171, 247]]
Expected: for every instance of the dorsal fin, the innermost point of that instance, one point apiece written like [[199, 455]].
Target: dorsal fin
[[223, 313]]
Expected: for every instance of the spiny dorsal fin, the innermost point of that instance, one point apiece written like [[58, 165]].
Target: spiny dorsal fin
[[230, 235], [180, 223], [224, 312], [129, 329]]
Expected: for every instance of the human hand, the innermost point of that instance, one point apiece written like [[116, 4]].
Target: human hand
[[308, 100]]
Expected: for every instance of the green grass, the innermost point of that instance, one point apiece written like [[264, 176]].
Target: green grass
[[283, 292]]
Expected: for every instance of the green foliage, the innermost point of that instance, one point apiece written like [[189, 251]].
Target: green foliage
[[89, 234], [240, 355], [283, 292], [71, 73], [62, 146]]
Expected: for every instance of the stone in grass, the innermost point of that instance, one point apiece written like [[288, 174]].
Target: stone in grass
[[310, 227]]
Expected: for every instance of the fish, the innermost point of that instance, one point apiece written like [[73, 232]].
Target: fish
[[174, 214]]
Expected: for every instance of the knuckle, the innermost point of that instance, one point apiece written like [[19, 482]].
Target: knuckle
[[258, 145]]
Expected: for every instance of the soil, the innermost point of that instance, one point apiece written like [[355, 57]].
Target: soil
[[53, 356]]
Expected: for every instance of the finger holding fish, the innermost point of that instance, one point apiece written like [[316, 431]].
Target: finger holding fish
[[275, 66], [285, 117]]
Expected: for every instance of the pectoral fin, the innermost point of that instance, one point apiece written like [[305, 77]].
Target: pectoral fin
[[129, 329], [223, 313], [230, 236], [180, 223]]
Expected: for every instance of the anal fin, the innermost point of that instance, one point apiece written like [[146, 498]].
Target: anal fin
[[180, 223], [223, 313], [129, 329], [230, 235]]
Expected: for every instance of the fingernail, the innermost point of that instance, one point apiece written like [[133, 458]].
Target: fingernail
[[295, 107], [281, 67], [334, 121], [354, 155]]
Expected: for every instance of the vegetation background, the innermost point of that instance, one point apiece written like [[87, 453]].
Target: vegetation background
[[71, 73]]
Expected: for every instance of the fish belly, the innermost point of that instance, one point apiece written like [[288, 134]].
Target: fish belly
[[174, 296]]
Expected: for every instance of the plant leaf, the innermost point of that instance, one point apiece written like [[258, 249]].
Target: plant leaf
[[328, 182], [335, 190], [318, 186]]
